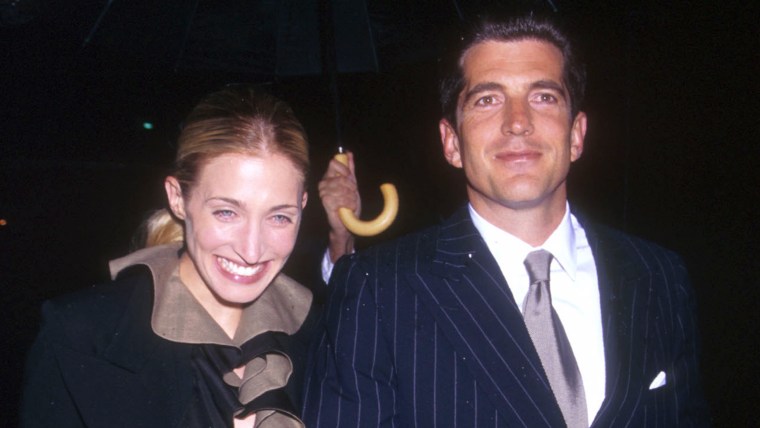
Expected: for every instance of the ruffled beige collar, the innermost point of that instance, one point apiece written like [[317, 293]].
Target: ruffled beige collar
[[177, 316]]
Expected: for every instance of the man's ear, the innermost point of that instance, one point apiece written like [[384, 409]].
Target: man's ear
[[450, 142], [174, 196], [304, 199], [577, 136]]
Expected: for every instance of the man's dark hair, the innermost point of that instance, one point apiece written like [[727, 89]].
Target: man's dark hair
[[523, 27]]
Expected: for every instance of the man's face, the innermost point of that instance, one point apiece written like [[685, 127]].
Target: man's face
[[514, 137]]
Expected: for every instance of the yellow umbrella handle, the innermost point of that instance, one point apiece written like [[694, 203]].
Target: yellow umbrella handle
[[382, 221]]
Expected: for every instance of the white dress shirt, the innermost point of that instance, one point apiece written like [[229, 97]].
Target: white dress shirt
[[326, 266], [574, 289]]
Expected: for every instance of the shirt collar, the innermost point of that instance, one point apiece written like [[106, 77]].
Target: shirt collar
[[561, 242]]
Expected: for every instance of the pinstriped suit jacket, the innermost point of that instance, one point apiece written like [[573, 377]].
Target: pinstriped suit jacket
[[423, 331]]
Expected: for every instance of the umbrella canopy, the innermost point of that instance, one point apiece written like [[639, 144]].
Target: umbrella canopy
[[270, 40], [273, 38]]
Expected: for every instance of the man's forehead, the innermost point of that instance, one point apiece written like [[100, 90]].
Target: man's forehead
[[528, 49], [529, 59]]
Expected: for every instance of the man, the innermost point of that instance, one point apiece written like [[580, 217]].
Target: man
[[451, 326]]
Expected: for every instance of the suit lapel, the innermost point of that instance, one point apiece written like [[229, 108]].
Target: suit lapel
[[617, 279], [471, 302]]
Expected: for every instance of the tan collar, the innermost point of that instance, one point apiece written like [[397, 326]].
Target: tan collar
[[179, 317]]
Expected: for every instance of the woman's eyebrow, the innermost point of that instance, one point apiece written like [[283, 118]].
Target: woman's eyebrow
[[230, 201]]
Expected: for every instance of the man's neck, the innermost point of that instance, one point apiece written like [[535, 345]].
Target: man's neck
[[532, 225]]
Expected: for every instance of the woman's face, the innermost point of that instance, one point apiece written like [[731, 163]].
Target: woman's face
[[241, 221]]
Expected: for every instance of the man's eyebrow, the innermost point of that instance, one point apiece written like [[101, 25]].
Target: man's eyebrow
[[549, 84], [479, 88], [493, 86]]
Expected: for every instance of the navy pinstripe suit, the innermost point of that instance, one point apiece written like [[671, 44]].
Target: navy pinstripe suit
[[423, 331]]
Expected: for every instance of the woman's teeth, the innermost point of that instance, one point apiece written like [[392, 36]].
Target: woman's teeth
[[236, 269]]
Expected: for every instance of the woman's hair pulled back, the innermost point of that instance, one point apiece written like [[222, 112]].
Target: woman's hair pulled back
[[235, 120]]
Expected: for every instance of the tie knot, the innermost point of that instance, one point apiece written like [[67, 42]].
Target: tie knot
[[537, 263]]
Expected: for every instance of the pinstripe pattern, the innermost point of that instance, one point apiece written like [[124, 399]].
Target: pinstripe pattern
[[423, 331]]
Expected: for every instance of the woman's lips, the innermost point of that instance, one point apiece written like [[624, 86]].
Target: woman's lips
[[240, 273]]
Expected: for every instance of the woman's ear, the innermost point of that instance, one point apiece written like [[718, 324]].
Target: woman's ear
[[174, 196]]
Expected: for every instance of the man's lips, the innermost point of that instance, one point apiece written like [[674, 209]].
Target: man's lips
[[519, 156]]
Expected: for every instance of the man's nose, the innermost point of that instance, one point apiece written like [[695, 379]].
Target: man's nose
[[248, 245], [517, 118]]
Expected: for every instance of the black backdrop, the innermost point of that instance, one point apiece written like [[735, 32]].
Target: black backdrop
[[671, 156]]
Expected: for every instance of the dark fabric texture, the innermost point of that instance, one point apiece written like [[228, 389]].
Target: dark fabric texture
[[218, 402], [96, 362], [424, 331]]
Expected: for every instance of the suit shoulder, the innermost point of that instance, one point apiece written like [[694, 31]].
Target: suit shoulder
[[407, 247], [627, 246], [395, 255], [634, 257]]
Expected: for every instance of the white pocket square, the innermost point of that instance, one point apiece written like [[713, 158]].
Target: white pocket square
[[659, 381]]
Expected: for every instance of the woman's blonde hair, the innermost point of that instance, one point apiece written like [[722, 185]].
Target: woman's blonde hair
[[238, 119]]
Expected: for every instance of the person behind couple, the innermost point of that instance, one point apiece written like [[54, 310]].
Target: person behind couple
[[199, 332], [428, 330]]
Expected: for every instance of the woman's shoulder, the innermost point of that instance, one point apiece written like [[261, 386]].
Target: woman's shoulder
[[96, 312], [132, 285], [103, 296]]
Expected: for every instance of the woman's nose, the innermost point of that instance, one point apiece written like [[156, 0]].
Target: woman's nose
[[248, 245]]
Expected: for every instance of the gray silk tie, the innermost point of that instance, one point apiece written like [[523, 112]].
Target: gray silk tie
[[551, 342]]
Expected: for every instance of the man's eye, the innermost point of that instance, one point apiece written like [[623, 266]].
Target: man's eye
[[547, 98], [485, 101]]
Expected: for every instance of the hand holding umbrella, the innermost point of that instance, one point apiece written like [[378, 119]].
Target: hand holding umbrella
[[340, 197], [382, 221]]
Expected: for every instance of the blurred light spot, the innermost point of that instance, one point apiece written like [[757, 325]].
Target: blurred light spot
[[3, 222], [147, 125]]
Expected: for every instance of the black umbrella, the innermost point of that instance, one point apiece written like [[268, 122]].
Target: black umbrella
[[278, 39], [281, 38], [273, 39], [270, 40]]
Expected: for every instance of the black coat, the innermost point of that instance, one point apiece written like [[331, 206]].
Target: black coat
[[98, 363]]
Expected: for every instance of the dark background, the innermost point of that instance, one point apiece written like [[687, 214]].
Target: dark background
[[671, 152]]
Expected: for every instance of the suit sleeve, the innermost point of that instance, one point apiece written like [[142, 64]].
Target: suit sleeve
[[45, 399], [351, 379], [687, 397]]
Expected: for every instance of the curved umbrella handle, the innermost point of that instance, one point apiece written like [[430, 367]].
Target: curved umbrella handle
[[382, 221]]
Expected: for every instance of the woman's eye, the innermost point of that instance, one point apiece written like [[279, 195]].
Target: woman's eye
[[281, 219], [224, 214]]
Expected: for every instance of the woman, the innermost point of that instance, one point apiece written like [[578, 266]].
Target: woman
[[198, 332]]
